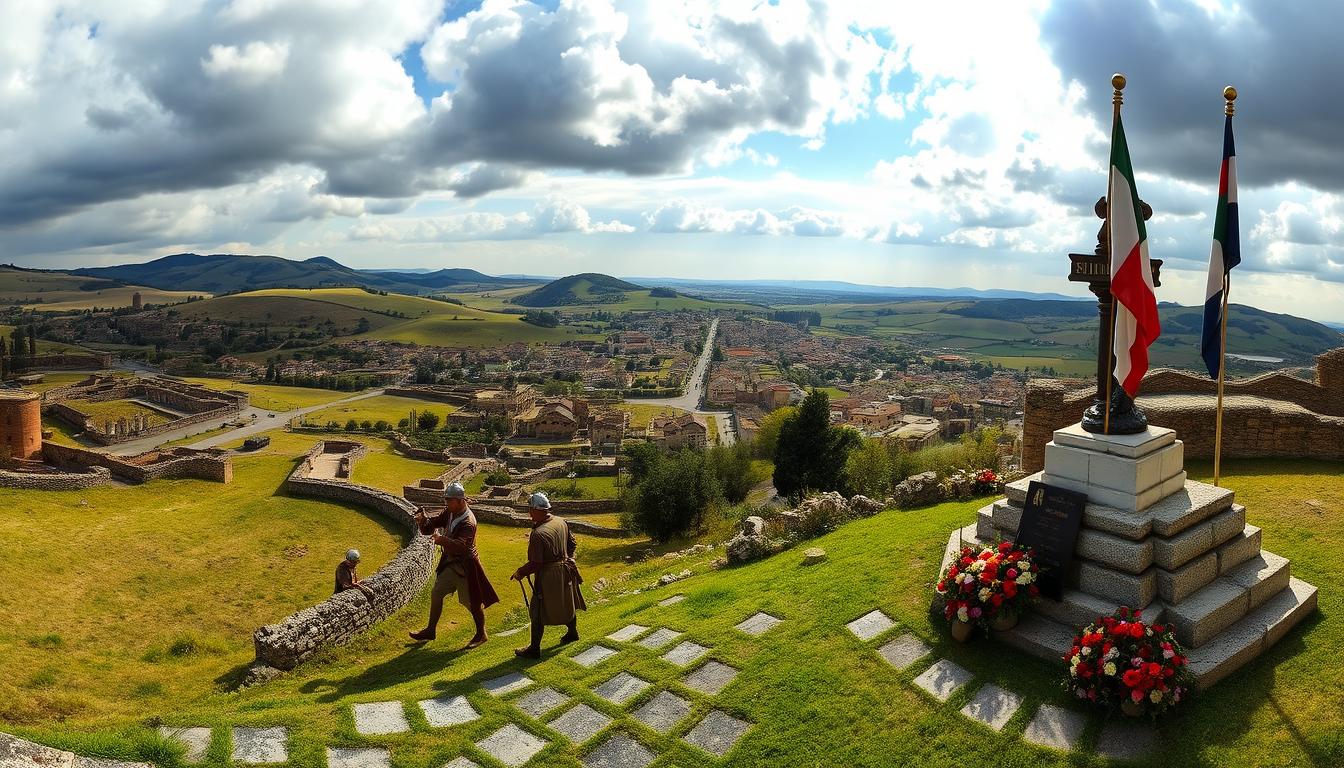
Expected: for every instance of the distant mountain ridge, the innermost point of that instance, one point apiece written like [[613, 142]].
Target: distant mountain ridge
[[585, 288], [228, 273], [868, 292]]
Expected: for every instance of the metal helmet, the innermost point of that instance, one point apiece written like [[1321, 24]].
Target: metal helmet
[[539, 501], [455, 491], [352, 555]]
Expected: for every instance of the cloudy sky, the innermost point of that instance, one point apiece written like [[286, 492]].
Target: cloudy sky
[[895, 143]]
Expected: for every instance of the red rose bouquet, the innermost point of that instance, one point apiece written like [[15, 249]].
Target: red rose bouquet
[[986, 482], [1121, 660], [988, 586]]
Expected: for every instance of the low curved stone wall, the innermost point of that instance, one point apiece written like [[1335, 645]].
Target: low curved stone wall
[[55, 480], [502, 516], [287, 643]]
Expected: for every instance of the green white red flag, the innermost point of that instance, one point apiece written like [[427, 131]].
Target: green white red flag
[[1136, 325]]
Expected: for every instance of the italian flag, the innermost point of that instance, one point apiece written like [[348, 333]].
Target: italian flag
[[1225, 255], [1136, 325]]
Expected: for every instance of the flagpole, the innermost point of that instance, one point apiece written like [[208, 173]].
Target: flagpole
[[1230, 94], [1117, 98]]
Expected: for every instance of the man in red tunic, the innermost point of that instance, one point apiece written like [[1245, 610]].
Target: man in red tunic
[[459, 569]]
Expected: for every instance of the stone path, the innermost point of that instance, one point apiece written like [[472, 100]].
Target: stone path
[[358, 758], [622, 688], [663, 712], [684, 653], [673, 600], [260, 745], [758, 624], [380, 718], [196, 740], [593, 656], [627, 633], [449, 711], [580, 723], [1051, 726], [620, 751], [539, 702], [711, 678], [659, 638], [511, 745]]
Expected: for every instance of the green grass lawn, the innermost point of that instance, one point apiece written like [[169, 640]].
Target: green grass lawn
[[590, 487], [641, 414], [816, 696], [116, 409], [389, 408], [275, 397]]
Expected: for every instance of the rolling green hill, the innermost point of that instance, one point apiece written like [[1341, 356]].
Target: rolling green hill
[[225, 273], [586, 288], [49, 291]]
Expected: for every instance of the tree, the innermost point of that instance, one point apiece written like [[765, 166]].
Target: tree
[[767, 431], [362, 326], [671, 501], [868, 469], [427, 421], [351, 425], [717, 355], [32, 341], [732, 468], [640, 460], [811, 452], [271, 373]]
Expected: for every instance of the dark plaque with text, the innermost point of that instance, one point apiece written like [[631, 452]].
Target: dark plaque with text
[[1050, 522]]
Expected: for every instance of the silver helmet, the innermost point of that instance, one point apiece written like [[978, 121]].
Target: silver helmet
[[455, 491], [539, 501]]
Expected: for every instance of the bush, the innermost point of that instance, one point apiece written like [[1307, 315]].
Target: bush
[[498, 477], [351, 425], [381, 425], [732, 468], [671, 500], [427, 421]]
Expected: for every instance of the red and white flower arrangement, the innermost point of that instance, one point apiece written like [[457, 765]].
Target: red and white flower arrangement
[[986, 481], [985, 585], [1121, 660]]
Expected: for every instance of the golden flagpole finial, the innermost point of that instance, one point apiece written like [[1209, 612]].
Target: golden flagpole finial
[[1230, 94]]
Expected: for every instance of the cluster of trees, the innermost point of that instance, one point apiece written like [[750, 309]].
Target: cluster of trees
[[20, 351], [541, 318], [662, 293], [796, 316], [340, 382], [422, 429], [669, 493]]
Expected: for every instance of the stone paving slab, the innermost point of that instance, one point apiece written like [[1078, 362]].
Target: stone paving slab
[[943, 679], [509, 633], [580, 723], [870, 625], [620, 751], [380, 718], [685, 653], [1127, 739], [627, 633], [358, 758], [591, 657], [621, 688], [659, 638], [260, 745], [717, 733], [904, 651], [196, 740], [511, 745], [673, 600], [992, 706], [514, 681], [710, 678], [445, 712], [662, 712], [541, 701], [461, 762], [758, 624], [1056, 727]]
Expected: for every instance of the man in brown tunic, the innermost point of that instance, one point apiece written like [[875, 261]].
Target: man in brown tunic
[[459, 568], [555, 595]]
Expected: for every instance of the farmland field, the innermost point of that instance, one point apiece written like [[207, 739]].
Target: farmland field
[[46, 291], [641, 414], [274, 397], [389, 408], [633, 301]]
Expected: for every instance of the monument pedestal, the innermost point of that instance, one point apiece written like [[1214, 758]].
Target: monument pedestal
[[1178, 549]]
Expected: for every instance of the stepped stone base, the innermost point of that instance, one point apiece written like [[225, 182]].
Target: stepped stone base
[[1152, 539]]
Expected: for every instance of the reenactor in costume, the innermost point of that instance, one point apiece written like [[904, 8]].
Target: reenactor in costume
[[459, 569], [555, 594]]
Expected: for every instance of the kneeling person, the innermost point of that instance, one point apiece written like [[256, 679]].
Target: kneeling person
[[556, 596], [459, 568]]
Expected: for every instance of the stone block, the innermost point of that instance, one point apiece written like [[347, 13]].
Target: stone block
[[1127, 502], [539, 702], [1226, 653], [1189, 506], [992, 706], [673, 600], [580, 723], [870, 625], [621, 688], [1172, 552], [1039, 636], [1016, 491], [1240, 548], [1133, 590], [710, 678], [1170, 486], [1078, 608], [627, 633], [620, 751], [1281, 612], [380, 718], [260, 745], [984, 525], [659, 638], [717, 733], [1004, 515], [1207, 612], [1175, 586], [461, 762], [684, 653], [511, 745], [1056, 727], [1129, 446], [1066, 461], [1228, 523], [943, 679], [904, 651], [505, 684], [447, 711], [758, 624], [358, 758], [21, 753], [1119, 473], [1173, 459], [196, 740], [1114, 551], [662, 712], [591, 657], [1126, 739]]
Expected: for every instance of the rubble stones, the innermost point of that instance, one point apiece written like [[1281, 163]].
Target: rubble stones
[[814, 555]]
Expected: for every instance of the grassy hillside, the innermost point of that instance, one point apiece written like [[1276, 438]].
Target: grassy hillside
[[59, 291], [586, 288], [394, 317]]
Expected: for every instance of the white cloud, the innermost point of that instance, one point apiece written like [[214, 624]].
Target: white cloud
[[252, 64]]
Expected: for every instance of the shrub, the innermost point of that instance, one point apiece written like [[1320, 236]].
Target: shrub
[[671, 500], [498, 477], [351, 425], [427, 421]]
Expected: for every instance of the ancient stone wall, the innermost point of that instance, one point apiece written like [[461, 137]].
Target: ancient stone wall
[[564, 507], [94, 360], [400, 444], [287, 643], [431, 393], [1269, 415], [503, 516], [55, 480], [212, 465]]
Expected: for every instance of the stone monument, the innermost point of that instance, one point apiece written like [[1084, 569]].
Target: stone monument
[[1180, 550]]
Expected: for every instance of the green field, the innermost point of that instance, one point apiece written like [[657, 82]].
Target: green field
[[633, 301], [393, 317], [808, 676], [641, 414], [589, 487], [381, 467], [48, 292], [112, 410], [389, 408], [274, 397]]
